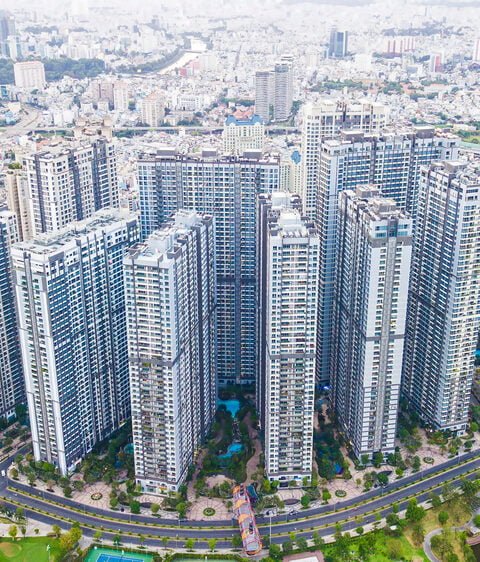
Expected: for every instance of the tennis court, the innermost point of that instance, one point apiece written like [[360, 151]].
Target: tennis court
[[110, 555]]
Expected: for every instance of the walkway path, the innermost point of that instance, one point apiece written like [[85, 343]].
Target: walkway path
[[427, 545], [253, 461]]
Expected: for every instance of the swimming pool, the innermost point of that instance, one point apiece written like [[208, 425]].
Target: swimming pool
[[232, 405], [233, 449]]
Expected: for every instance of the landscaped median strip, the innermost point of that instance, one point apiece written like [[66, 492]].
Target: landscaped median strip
[[206, 528]]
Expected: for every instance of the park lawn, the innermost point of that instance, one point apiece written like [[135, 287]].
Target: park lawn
[[458, 515], [389, 548], [30, 549]]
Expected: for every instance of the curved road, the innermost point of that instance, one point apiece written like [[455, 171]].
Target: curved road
[[325, 516]]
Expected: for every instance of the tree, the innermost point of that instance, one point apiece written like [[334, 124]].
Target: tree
[[287, 547], [393, 520], [442, 517], [13, 531], [377, 459], [302, 544], [416, 463], [326, 495], [418, 534], [382, 478], [266, 486], [317, 539], [164, 542], [364, 459], [56, 531], [275, 551], [236, 541], [470, 489], [117, 539], [135, 506], [212, 543], [97, 536], [305, 501], [190, 543], [23, 530], [359, 530], [182, 509], [415, 512], [435, 500], [154, 508], [14, 473], [20, 514], [114, 502]]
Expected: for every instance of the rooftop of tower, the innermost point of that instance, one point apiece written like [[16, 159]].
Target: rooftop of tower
[[51, 242]]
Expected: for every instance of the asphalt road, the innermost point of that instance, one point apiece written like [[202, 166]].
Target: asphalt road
[[203, 530]]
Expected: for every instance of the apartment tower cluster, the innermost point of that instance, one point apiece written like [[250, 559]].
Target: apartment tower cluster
[[353, 265]]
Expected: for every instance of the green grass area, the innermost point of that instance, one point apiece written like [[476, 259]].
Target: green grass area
[[112, 555], [29, 550], [384, 549]]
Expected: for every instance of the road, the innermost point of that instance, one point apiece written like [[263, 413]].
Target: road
[[282, 525], [204, 129], [26, 124]]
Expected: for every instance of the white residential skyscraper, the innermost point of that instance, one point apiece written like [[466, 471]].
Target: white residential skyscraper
[[371, 289], [70, 294], [227, 188], [171, 316], [444, 298], [283, 91], [264, 93], [30, 74], [19, 201], [11, 377], [324, 120], [274, 91], [289, 258], [390, 161], [69, 181]]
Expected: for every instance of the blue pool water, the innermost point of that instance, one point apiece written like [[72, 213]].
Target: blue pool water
[[232, 450], [232, 406]]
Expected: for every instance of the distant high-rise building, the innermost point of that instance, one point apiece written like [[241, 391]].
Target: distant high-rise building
[[435, 63], [338, 45], [30, 74], [14, 47], [291, 173], [19, 202], [152, 110], [264, 93], [373, 266], [283, 91], [325, 120], [171, 317], [70, 181], [289, 256], [243, 135], [226, 187], [274, 91], [70, 294], [444, 298], [476, 50], [12, 390], [392, 162], [7, 28], [121, 95]]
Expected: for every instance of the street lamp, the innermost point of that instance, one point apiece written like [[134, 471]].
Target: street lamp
[[270, 513]]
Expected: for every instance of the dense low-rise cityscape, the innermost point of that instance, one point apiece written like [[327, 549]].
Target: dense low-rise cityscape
[[240, 280]]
